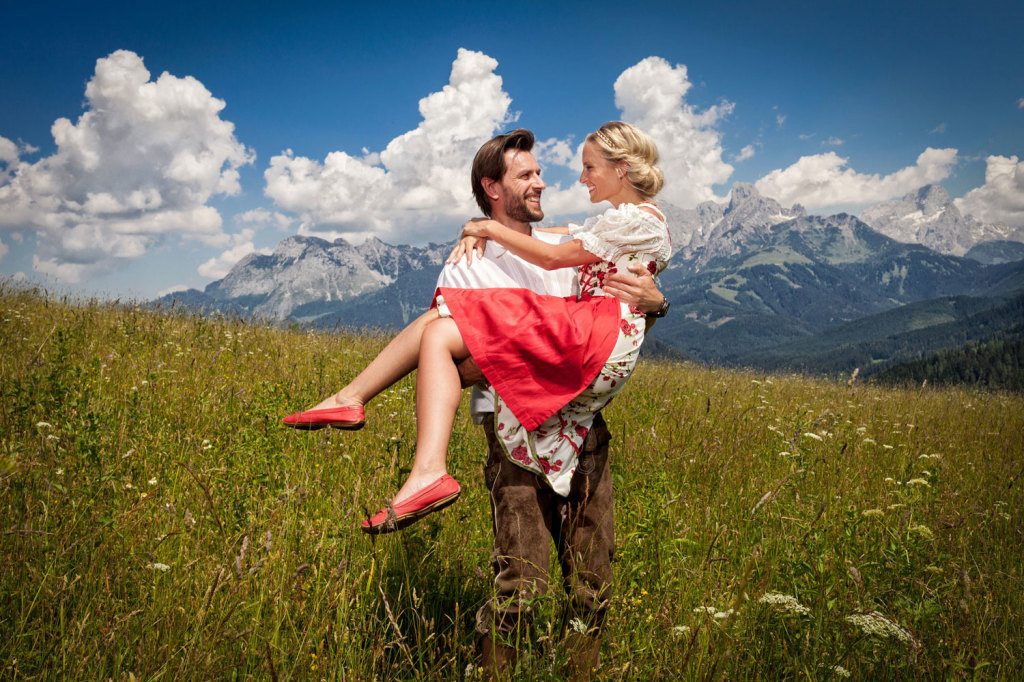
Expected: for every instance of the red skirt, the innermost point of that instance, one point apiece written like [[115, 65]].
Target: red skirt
[[539, 352]]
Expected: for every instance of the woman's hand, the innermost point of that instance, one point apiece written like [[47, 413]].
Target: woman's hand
[[466, 247]]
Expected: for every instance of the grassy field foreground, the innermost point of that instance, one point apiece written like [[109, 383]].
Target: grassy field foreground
[[159, 523]]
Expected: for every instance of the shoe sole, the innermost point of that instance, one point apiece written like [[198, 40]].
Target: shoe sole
[[316, 426], [406, 520]]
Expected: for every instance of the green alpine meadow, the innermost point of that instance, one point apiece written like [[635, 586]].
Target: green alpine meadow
[[159, 523]]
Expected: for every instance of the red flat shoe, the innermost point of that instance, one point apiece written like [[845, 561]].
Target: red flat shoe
[[434, 497], [348, 417]]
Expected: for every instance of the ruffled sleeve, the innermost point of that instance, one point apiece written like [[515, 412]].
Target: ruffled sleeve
[[624, 230]]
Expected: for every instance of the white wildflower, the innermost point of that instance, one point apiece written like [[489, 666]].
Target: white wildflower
[[813, 436], [841, 671], [705, 609], [872, 513], [784, 602], [876, 625], [919, 481], [890, 479], [59, 471], [44, 425], [578, 626], [721, 615], [924, 531], [869, 441], [163, 568], [128, 486], [889, 447], [681, 630]]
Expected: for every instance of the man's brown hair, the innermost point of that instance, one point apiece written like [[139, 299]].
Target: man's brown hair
[[489, 162]]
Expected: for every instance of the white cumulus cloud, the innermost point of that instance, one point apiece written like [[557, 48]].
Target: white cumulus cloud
[[651, 95], [745, 153], [138, 166], [1001, 198], [825, 180], [218, 267], [418, 182]]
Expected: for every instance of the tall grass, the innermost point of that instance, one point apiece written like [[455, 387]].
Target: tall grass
[[159, 523]]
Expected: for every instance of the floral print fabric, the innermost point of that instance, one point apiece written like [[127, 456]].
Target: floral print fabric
[[552, 450]]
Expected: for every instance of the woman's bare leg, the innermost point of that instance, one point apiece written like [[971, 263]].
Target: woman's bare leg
[[438, 390], [397, 359]]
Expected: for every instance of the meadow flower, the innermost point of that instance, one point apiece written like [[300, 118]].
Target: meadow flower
[[681, 630], [869, 441], [705, 609], [919, 481], [874, 624], [784, 602], [128, 486], [152, 481], [163, 568], [59, 471], [578, 626], [813, 436], [841, 671], [721, 615], [924, 531], [872, 513], [44, 425]]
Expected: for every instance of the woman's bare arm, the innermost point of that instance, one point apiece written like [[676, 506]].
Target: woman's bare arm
[[542, 254]]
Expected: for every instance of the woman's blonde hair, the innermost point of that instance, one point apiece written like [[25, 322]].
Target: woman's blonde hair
[[619, 141]]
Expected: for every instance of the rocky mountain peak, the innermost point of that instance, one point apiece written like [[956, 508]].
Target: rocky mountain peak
[[928, 216], [742, 192], [932, 199]]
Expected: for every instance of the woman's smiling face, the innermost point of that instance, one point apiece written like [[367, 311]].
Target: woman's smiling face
[[599, 174]]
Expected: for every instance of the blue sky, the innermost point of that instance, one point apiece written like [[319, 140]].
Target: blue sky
[[155, 186]]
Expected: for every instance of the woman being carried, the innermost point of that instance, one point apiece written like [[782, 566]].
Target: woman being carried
[[553, 362]]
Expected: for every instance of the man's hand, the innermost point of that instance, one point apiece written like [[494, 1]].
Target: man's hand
[[469, 373], [636, 289]]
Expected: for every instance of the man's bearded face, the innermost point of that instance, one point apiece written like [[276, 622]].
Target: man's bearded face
[[521, 188]]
